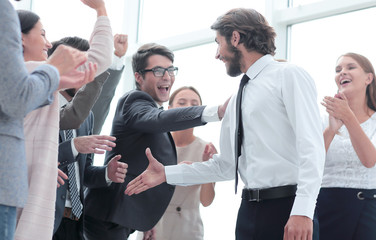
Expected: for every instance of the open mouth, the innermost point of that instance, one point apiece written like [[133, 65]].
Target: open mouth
[[345, 81], [164, 88]]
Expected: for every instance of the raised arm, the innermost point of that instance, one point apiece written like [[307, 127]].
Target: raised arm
[[100, 52], [101, 39], [102, 105]]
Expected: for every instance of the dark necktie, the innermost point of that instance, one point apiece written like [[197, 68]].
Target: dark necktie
[[239, 127], [73, 190]]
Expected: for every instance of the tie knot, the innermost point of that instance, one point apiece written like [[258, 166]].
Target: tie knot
[[244, 80]]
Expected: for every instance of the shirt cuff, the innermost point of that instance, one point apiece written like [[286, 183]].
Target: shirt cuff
[[74, 150], [117, 63], [303, 206], [106, 177], [210, 114], [173, 174]]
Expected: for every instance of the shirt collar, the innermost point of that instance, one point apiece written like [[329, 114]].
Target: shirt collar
[[159, 106], [62, 100], [257, 67]]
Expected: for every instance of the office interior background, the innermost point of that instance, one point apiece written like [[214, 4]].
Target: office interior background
[[310, 33]]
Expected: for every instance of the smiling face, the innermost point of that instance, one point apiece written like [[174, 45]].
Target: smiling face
[[157, 87], [228, 54], [350, 76], [35, 45]]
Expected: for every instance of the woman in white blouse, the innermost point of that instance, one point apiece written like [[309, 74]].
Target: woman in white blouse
[[346, 205]]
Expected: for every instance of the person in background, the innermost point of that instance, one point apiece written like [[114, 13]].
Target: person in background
[[270, 134], [182, 219], [20, 93], [346, 205]]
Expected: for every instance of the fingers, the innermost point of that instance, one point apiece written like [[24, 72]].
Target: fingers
[[149, 155], [94, 144], [117, 169], [132, 185], [105, 137], [60, 178]]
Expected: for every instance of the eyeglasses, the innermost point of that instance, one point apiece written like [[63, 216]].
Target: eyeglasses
[[160, 71]]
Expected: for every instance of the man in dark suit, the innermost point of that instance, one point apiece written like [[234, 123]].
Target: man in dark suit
[[77, 153], [140, 123]]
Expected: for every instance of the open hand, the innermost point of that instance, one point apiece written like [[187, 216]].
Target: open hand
[[94, 144], [151, 177]]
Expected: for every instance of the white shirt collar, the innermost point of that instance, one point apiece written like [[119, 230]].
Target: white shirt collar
[[257, 67]]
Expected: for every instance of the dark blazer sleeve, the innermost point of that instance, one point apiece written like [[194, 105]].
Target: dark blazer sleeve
[[102, 105], [140, 113], [77, 110], [94, 176]]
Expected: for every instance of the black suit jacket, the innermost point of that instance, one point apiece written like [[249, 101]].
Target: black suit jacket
[[89, 175], [139, 124]]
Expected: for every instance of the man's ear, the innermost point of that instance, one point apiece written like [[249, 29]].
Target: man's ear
[[139, 78], [235, 38]]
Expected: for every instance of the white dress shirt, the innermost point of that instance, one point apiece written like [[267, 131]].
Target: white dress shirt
[[343, 168], [283, 142]]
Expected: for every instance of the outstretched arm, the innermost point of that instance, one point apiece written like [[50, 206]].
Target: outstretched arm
[[151, 177]]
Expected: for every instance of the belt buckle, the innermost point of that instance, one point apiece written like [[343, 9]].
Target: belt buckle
[[255, 195]]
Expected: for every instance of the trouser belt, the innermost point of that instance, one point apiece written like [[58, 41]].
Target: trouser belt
[[256, 195]]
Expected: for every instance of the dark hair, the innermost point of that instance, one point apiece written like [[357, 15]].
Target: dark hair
[[140, 59], [28, 20], [255, 32], [367, 67], [75, 42], [173, 95]]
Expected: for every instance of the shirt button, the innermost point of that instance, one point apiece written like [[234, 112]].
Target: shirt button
[[178, 209]]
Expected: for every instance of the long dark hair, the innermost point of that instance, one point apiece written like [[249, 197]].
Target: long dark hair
[[28, 20]]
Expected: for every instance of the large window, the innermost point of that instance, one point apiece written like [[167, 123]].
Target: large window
[[165, 18], [73, 18]]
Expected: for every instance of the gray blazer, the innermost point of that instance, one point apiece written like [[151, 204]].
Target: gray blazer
[[102, 105], [20, 93]]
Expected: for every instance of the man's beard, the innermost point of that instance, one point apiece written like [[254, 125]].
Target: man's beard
[[234, 62]]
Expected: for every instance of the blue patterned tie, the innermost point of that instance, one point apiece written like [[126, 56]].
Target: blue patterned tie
[[73, 190]]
